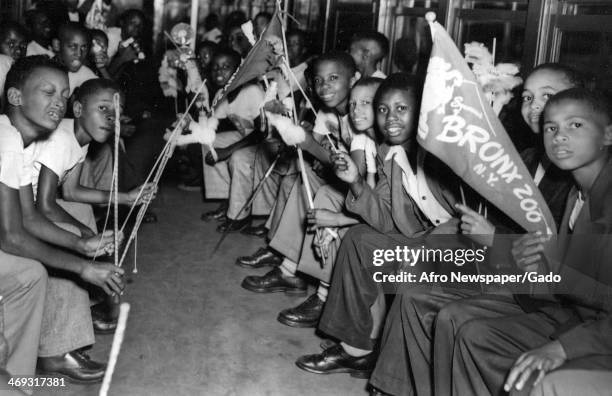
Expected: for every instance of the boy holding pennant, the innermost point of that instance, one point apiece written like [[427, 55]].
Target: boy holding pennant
[[458, 126]]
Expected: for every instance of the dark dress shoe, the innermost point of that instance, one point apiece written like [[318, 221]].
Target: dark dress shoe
[[274, 281], [260, 258], [336, 360], [75, 366], [258, 231], [230, 225], [216, 214], [306, 314]]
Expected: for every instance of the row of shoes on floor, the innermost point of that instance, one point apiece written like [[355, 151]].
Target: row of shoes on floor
[[232, 225]]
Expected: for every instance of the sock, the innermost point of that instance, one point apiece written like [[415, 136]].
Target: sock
[[355, 352], [322, 291], [288, 268]]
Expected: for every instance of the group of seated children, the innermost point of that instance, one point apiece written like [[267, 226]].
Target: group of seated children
[[373, 188], [370, 187]]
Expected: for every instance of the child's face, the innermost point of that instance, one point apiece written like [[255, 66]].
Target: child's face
[[222, 69], [395, 116], [332, 84], [14, 45], [238, 41], [361, 109], [97, 114], [362, 51], [575, 136], [295, 48], [132, 27], [259, 26], [538, 88], [42, 29], [205, 56], [73, 51], [43, 98]]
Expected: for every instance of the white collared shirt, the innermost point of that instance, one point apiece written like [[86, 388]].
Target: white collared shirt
[[576, 211], [416, 186]]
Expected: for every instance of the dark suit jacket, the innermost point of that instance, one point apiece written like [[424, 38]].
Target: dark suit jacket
[[388, 207], [585, 265]]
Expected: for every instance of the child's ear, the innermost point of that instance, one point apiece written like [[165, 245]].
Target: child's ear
[[77, 109], [14, 96], [354, 79], [55, 44]]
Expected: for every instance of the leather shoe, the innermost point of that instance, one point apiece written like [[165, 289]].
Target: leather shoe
[[258, 231], [260, 258], [336, 360], [230, 225], [306, 314], [216, 214], [75, 366], [274, 281]]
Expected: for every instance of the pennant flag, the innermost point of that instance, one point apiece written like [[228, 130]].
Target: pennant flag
[[264, 56], [458, 125]]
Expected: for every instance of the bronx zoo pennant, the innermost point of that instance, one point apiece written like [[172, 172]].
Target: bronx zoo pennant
[[458, 125]]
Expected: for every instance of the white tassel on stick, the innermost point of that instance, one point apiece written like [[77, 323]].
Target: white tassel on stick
[[290, 133], [124, 310]]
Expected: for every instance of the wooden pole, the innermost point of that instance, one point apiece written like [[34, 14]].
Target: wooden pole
[[194, 22]]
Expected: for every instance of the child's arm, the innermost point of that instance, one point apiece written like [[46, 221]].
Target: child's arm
[[16, 240], [74, 191], [41, 227], [46, 202], [315, 148], [316, 218], [359, 157]]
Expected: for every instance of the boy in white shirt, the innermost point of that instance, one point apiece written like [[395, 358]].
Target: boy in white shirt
[[72, 47]]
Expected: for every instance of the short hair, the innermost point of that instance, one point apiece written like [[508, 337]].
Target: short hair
[[211, 21], [23, 68], [70, 28], [598, 102], [230, 53], [12, 26], [342, 58], [379, 38], [91, 87], [299, 33], [264, 14], [206, 44], [97, 32], [401, 81], [573, 76], [132, 12], [30, 15], [369, 82]]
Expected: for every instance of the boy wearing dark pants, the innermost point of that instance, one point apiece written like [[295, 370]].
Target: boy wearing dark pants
[[334, 73], [567, 324], [408, 202], [36, 92]]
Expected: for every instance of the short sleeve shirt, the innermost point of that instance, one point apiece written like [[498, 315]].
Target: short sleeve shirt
[[61, 152], [75, 79], [5, 65], [361, 141], [15, 161]]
